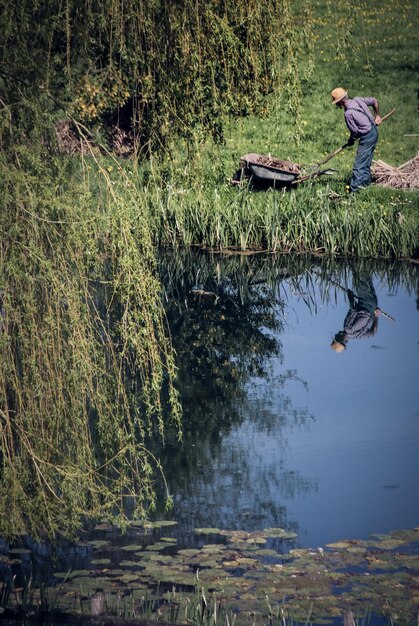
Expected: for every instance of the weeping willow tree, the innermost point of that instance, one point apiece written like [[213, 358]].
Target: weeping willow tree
[[87, 370], [153, 68], [85, 355]]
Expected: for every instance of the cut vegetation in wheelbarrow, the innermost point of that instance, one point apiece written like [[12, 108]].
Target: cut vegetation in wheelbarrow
[[263, 171]]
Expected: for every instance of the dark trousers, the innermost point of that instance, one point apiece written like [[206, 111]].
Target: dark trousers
[[365, 298], [361, 172]]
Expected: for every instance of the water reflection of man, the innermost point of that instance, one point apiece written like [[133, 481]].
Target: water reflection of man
[[362, 317]]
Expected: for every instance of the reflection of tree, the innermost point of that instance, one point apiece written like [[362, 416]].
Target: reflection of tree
[[225, 319], [226, 315], [224, 329]]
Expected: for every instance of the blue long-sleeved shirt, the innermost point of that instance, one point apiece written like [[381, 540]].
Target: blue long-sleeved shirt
[[358, 117], [360, 323]]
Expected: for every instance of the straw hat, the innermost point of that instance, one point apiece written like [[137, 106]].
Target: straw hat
[[337, 346], [338, 94]]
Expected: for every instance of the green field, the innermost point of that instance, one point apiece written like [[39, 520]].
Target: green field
[[371, 50]]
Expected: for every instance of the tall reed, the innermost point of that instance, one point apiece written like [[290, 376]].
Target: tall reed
[[312, 217]]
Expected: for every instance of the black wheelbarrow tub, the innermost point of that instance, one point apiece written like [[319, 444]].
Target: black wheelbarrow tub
[[264, 173]]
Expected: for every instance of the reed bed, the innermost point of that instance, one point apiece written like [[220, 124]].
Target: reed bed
[[311, 218]]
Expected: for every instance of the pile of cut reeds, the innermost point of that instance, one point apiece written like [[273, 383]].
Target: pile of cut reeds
[[405, 176]]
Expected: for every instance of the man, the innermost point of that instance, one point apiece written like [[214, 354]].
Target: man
[[363, 126], [362, 317]]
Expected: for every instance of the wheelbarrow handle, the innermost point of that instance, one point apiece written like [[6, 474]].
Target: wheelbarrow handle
[[312, 175]]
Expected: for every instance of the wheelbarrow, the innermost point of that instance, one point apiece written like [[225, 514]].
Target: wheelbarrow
[[262, 171]]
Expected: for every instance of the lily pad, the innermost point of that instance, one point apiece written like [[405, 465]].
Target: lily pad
[[115, 572], [161, 558], [408, 535], [357, 550], [187, 552], [129, 578], [156, 547], [389, 544], [141, 524], [245, 561], [85, 582], [274, 532], [214, 547], [20, 551], [207, 531], [266, 552], [165, 522], [144, 554]]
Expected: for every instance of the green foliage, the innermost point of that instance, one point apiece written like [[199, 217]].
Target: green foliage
[[83, 333], [83, 359], [202, 208], [159, 69]]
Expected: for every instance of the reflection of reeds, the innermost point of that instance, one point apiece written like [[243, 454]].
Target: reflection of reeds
[[180, 270]]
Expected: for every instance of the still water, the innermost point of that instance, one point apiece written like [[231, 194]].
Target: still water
[[281, 429], [300, 413]]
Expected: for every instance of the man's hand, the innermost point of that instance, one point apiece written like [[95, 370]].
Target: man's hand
[[349, 143], [377, 312], [378, 120]]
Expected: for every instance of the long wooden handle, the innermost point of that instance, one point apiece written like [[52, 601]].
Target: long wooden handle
[[332, 154], [387, 316], [388, 114]]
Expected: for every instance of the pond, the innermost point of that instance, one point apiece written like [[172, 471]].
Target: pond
[[281, 429], [300, 442]]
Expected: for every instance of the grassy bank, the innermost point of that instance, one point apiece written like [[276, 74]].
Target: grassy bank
[[370, 48], [313, 217]]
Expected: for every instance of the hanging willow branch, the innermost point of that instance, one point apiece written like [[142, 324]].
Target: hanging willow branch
[[83, 362], [156, 69]]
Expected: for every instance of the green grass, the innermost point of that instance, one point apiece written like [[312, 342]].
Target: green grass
[[370, 49], [313, 218]]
